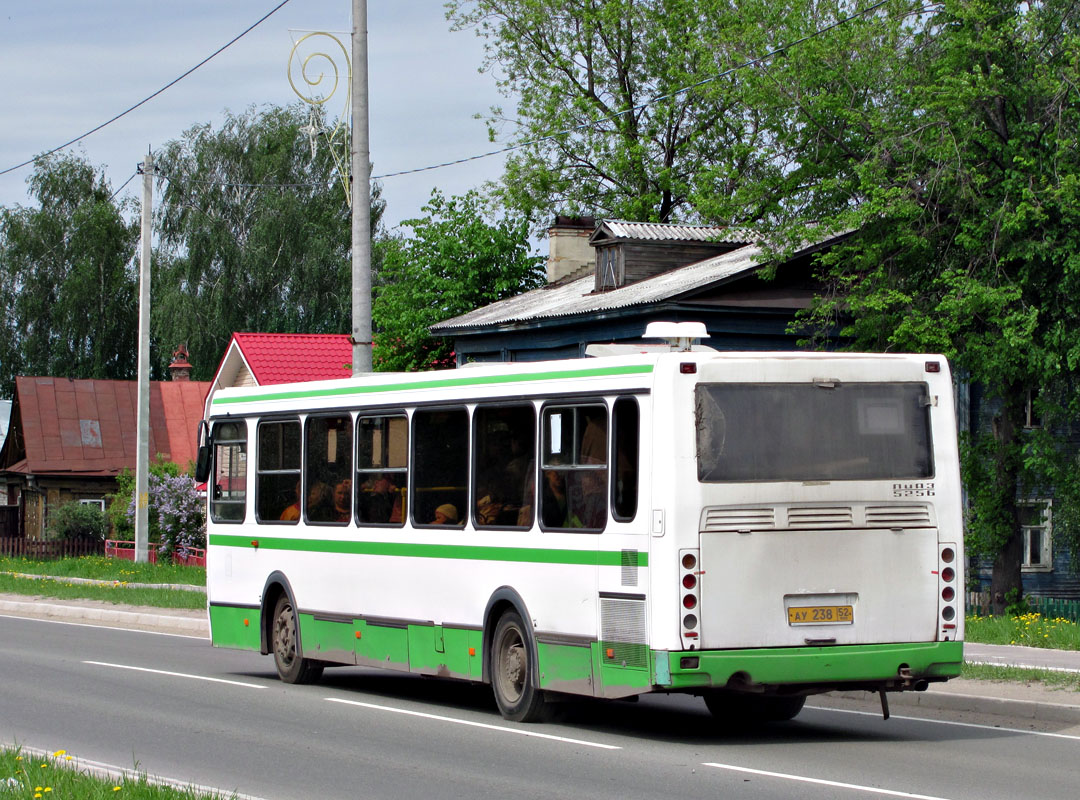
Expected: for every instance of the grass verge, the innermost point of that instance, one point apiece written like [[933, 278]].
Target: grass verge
[[1055, 680], [1029, 630], [108, 569], [113, 593], [27, 775]]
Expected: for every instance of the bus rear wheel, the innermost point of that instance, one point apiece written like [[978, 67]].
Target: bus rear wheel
[[513, 672], [738, 707], [289, 659]]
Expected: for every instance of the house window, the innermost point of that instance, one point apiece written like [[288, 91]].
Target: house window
[[96, 502], [1032, 417], [1035, 525]]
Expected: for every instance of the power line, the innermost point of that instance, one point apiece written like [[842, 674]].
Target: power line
[[142, 102]]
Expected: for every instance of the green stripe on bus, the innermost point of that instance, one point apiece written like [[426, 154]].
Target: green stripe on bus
[[603, 558], [441, 383]]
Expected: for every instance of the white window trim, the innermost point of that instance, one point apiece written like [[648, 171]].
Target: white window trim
[[1048, 536]]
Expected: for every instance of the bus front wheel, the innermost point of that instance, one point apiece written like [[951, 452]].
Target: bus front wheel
[[513, 672], [289, 659]]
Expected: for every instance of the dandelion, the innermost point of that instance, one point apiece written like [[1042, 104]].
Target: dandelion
[[116, 788], [59, 753]]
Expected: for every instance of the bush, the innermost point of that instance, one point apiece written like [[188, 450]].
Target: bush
[[175, 512], [78, 521]]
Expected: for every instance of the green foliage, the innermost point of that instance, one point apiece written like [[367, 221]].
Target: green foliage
[[67, 284], [454, 262], [109, 569], [78, 521], [591, 67], [1026, 628], [954, 162], [118, 593], [27, 774], [255, 236]]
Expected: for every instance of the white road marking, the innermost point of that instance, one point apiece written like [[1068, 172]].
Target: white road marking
[[950, 722], [176, 674], [102, 625], [500, 728], [834, 784], [1022, 666]]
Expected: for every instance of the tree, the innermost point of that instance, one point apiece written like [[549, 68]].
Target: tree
[[963, 196], [455, 261], [585, 74], [67, 285], [255, 236]]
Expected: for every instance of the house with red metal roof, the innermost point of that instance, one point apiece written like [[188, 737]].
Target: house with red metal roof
[[259, 359], [69, 439]]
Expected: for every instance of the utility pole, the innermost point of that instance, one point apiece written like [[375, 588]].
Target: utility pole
[[361, 195], [142, 458]]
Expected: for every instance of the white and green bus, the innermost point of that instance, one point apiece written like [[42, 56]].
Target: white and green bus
[[748, 527]]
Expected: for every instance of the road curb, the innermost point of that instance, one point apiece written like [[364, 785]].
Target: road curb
[[1001, 706], [169, 623]]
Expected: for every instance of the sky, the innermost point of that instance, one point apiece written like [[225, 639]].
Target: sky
[[67, 66]]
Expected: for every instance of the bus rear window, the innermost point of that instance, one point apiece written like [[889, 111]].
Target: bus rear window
[[813, 432]]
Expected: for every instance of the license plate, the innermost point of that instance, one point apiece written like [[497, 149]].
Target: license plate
[[820, 615]]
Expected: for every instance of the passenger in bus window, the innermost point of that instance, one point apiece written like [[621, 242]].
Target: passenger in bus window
[[292, 513], [379, 499], [553, 507], [342, 501], [446, 514], [319, 507]]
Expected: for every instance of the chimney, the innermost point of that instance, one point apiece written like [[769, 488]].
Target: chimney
[[179, 368], [569, 253]]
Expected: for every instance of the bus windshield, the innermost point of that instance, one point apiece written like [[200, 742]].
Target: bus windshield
[[824, 431]]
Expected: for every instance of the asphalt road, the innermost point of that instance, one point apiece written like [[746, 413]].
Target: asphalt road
[[181, 709]]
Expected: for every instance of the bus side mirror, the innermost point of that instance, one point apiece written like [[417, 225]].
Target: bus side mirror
[[202, 460]]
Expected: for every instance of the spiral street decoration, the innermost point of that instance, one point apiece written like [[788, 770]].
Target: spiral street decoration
[[316, 87]]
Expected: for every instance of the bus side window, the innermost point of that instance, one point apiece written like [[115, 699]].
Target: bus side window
[[382, 474], [229, 491], [573, 486], [504, 452], [625, 424], [277, 472], [328, 469], [440, 467]]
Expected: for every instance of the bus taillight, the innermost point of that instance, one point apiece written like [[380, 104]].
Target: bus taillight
[[688, 561], [947, 593]]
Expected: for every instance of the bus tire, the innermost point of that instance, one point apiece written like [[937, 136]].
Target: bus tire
[[513, 672], [289, 659], [733, 707]]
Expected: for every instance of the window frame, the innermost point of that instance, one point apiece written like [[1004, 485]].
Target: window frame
[[1046, 526], [403, 487], [474, 489], [578, 469], [241, 444], [299, 471], [613, 459], [349, 450], [414, 473]]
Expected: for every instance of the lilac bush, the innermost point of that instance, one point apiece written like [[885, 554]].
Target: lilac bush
[[175, 515]]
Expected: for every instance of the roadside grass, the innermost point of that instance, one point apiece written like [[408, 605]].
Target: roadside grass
[[35, 777], [108, 569], [116, 593], [1029, 630], [993, 672]]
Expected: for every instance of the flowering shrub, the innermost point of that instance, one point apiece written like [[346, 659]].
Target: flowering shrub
[[175, 513], [78, 521]]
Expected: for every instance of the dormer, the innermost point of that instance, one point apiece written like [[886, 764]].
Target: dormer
[[628, 252]]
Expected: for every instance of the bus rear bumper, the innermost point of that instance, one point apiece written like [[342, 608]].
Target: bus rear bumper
[[890, 667]]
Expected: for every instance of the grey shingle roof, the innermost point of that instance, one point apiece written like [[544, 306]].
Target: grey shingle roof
[[648, 231], [577, 297]]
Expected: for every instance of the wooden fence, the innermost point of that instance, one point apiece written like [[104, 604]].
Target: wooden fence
[[116, 548], [978, 603], [46, 549]]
